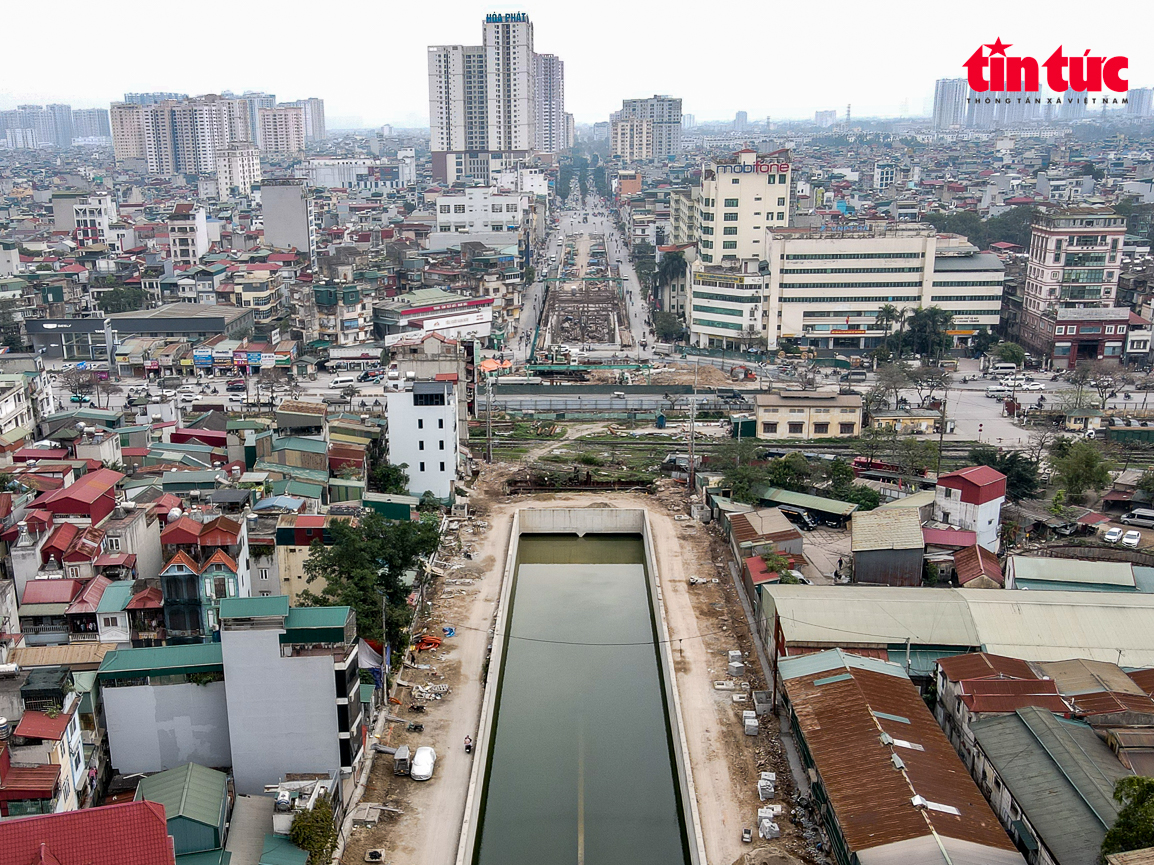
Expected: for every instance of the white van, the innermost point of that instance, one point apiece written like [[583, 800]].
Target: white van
[[1139, 517], [342, 380], [998, 391], [1001, 369]]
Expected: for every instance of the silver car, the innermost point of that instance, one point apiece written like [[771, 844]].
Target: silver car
[[423, 762]]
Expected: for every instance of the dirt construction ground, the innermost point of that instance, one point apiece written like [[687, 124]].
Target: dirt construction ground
[[705, 622]]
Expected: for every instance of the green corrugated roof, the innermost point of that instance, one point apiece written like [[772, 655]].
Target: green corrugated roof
[[279, 850], [299, 443], [115, 597], [190, 791], [317, 476], [316, 617], [801, 500], [162, 660], [247, 608], [367, 689], [290, 487]]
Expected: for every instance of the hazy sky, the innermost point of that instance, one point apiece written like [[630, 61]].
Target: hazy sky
[[367, 60]]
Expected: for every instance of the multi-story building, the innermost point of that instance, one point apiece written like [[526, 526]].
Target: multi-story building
[[237, 168], [570, 130], [423, 435], [885, 173], [971, 499], [741, 198], [482, 209], [664, 116], [187, 234], [93, 217], [825, 119], [39, 126], [282, 130], [343, 317], [950, 103], [549, 72], [255, 102], [1075, 258], [153, 98], [632, 139], [483, 103], [288, 215], [1140, 102], [91, 123], [314, 116], [129, 141], [798, 414]]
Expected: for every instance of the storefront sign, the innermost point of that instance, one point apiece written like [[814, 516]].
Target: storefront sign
[[754, 168]]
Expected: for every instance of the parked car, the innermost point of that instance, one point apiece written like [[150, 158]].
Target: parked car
[[1113, 536], [1132, 538], [423, 762], [236, 388]]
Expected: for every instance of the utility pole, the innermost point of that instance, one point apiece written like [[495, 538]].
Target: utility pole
[[692, 420], [489, 419], [942, 432]]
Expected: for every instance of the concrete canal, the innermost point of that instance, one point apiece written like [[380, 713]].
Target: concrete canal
[[580, 759]]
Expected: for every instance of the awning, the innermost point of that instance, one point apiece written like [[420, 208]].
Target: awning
[[1118, 496], [1092, 519]]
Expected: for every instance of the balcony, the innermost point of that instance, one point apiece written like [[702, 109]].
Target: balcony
[[84, 637]]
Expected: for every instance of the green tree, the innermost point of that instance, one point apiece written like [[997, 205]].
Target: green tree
[[1083, 469], [315, 832], [1010, 352], [671, 267], [981, 341], [9, 326], [1134, 827], [892, 378], [385, 477], [914, 456], [1020, 471], [1146, 483], [530, 275], [123, 298], [928, 331], [778, 564], [667, 326], [365, 561], [564, 182], [790, 472], [743, 480]]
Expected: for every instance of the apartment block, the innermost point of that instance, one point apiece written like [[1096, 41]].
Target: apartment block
[[664, 116], [282, 130], [237, 168], [423, 434]]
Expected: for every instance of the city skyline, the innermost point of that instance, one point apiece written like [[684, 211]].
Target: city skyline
[[815, 81]]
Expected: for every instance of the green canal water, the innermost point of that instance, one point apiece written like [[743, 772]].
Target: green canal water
[[581, 765]]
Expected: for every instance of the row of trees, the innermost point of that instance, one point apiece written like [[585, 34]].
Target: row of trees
[[745, 474], [1012, 226]]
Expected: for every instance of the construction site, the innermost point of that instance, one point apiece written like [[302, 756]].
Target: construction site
[[585, 305]]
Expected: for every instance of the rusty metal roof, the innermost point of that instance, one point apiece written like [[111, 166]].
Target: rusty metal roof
[[856, 720], [983, 665]]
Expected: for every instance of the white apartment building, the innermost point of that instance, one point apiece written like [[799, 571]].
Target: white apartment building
[[482, 209], [128, 137], [237, 167], [483, 103], [885, 174], [314, 116], [631, 139], [187, 235], [93, 215], [282, 130], [742, 197], [824, 288], [664, 116], [549, 72], [423, 435], [533, 181], [1075, 259], [288, 215]]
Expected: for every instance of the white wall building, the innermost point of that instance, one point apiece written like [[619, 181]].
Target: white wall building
[[282, 130], [288, 215], [741, 198], [482, 209], [423, 434], [237, 167], [92, 216], [187, 234], [664, 116], [549, 72], [314, 116]]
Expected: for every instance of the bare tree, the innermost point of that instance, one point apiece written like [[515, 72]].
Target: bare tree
[[926, 380], [78, 381], [891, 378], [106, 388], [1106, 379], [1038, 444]]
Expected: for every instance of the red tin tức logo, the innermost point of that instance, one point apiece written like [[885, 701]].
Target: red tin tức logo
[[1083, 74]]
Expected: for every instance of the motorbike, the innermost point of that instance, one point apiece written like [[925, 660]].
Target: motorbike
[[415, 727], [416, 707], [1126, 396], [468, 744]]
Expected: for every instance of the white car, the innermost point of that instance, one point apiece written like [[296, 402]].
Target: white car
[[1033, 385], [1113, 536], [1132, 538], [235, 397], [168, 393], [421, 769]]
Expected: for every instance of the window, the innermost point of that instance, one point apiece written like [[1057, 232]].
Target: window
[[729, 229], [458, 208], [729, 244], [820, 429], [735, 180], [445, 208], [780, 216], [441, 445], [510, 208], [796, 428], [420, 423], [731, 217], [731, 202], [1109, 328], [265, 594], [442, 466], [769, 426], [1060, 330], [847, 429], [112, 545], [422, 467], [73, 573], [781, 202], [421, 445], [219, 587], [108, 622], [1090, 328], [262, 573], [498, 208], [440, 423]]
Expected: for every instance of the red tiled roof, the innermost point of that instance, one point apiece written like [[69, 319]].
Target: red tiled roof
[[949, 537], [134, 833], [983, 665], [87, 489], [976, 561], [89, 596], [150, 599], [182, 558], [221, 557], [38, 725], [59, 541], [1110, 702], [50, 591], [1144, 679], [980, 475]]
